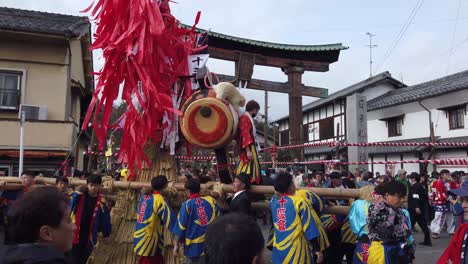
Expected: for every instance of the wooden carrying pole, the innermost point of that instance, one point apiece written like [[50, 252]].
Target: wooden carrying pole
[[227, 188], [14, 183]]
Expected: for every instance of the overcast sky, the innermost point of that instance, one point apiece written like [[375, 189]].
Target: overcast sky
[[430, 48]]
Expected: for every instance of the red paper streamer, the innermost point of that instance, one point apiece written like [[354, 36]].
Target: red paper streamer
[[141, 43]]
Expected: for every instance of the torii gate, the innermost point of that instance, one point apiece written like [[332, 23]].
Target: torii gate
[[293, 61]]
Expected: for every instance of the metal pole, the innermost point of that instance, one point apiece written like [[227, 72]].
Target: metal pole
[[370, 51], [265, 125], [21, 155]]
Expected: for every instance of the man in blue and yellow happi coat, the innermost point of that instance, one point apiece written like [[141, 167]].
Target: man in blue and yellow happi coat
[[154, 213], [90, 213], [295, 232], [195, 215], [317, 204]]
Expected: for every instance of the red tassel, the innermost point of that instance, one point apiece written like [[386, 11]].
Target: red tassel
[[142, 43]]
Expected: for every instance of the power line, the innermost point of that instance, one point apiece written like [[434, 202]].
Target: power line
[[453, 37], [371, 46], [402, 32]]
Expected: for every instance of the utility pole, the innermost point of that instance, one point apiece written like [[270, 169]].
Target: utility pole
[[371, 46], [265, 125]]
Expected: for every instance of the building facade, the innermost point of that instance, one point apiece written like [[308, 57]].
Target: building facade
[[396, 113], [406, 115], [325, 119], [46, 70]]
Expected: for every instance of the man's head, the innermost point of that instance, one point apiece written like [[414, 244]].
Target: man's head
[[252, 107], [192, 186], [93, 182], [336, 179], [41, 216], [234, 239], [159, 183], [445, 174], [462, 192], [284, 183], [62, 183], [394, 193], [241, 182], [414, 177], [27, 179], [402, 174]]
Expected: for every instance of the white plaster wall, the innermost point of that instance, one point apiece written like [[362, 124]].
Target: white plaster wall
[[416, 120], [376, 91]]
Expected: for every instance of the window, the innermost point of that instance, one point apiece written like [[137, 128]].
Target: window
[[456, 117], [326, 128], [394, 126], [9, 90], [284, 137]]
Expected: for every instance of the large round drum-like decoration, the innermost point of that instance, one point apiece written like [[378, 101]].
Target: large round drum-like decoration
[[207, 122]]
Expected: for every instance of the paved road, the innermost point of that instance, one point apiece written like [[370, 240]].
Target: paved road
[[424, 255]]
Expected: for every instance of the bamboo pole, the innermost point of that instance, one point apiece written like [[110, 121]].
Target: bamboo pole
[[227, 188]]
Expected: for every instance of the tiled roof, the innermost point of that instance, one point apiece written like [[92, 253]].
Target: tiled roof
[[453, 140], [384, 76], [399, 149], [288, 47], [42, 22], [447, 84]]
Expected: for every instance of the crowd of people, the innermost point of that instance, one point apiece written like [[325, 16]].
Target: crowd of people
[[55, 224]]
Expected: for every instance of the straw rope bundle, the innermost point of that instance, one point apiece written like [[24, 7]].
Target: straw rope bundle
[[123, 215]]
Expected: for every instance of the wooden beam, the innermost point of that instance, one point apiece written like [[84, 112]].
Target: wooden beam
[[231, 55], [276, 87]]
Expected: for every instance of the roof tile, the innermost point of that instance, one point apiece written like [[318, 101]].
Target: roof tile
[[42, 22]]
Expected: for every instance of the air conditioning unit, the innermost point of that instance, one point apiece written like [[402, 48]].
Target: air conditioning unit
[[34, 112]]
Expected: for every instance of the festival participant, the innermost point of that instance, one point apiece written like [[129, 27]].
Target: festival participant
[[9, 196], [295, 233], [358, 221], [234, 239], [248, 153], [317, 205], [195, 215], [441, 203], [63, 185], [27, 181], [40, 228], [390, 228], [154, 213], [240, 202], [416, 206], [457, 250], [90, 214]]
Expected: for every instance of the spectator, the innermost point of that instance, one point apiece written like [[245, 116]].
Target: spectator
[[154, 213], [441, 203], [298, 181], [364, 181], [456, 250], [234, 239], [348, 181], [195, 215], [416, 207], [40, 228], [90, 214], [294, 226]]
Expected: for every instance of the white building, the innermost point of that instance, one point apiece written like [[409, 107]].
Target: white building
[[404, 115], [325, 119], [394, 114]]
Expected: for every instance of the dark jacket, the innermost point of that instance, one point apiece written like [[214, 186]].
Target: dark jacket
[[241, 204], [416, 197], [31, 254]]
